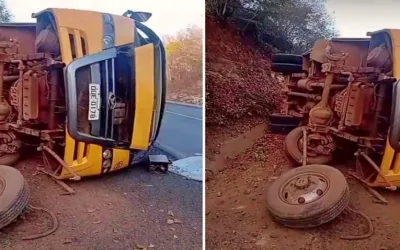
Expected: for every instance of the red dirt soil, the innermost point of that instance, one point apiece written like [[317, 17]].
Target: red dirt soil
[[124, 210], [240, 92], [186, 92], [237, 216], [238, 76]]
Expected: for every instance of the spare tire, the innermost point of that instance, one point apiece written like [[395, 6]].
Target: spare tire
[[47, 41], [287, 58], [308, 196], [14, 194], [287, 68]]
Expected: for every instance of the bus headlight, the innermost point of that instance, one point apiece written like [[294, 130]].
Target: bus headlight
[[108, 41], [107, 154], [108, 31], [107, 163]]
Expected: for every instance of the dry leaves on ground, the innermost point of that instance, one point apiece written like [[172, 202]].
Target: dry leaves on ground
[[238, 77]]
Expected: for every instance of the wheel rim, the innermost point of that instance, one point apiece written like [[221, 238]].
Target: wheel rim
[[316, 146], [310, 148], [2, 185], [304, 189]]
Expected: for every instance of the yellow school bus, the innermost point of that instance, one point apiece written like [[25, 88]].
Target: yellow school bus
[[87, 88]]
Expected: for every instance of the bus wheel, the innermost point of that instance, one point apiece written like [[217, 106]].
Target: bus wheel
[[308, 196], [293, 147], [9, 159], [14, 194]]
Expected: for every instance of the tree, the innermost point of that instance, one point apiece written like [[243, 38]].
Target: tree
[[185, 63], [289, 25], [5, 14]]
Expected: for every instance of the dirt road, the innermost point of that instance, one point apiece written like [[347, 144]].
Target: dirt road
[[237, 216], [126, 210]]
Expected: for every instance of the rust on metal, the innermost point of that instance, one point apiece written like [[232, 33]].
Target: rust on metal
[[53, 97], [378, 196], [373, 164], [345, 94], [304, 146], [61, 162]]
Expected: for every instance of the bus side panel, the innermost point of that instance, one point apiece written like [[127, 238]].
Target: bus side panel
[[144, 95]]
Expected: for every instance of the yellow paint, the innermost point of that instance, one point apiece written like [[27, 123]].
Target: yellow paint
[[389, 155], [78, 44], [89, 25], [389, 151], [120, 159], [124, 30], [88, 22], [144, 94], [81, 151]]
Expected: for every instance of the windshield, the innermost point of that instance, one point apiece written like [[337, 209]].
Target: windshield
[[101, 93], [105, 95]]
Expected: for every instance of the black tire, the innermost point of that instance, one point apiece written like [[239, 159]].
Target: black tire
[[287, 58], [313, 214], [14, 194], [281, 128], [285, 119], [295, 154], [10, 159], [286, 68]]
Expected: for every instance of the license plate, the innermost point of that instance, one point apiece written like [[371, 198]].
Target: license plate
[[94, 102]]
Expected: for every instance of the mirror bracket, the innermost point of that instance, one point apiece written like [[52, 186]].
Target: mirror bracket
[[137, 15]]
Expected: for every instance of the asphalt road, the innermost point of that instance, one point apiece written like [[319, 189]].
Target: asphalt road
[[120, 210], [181, 133]]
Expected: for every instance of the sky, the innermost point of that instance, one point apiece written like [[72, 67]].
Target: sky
[[354, 18], [169, 16]]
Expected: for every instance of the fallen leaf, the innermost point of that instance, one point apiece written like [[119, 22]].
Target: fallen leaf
[[177, 221], [170, 213], [97, 222], [169, 221], [238, 77], [68, 241]]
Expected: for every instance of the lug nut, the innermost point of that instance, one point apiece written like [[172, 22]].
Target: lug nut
[[301, 200]]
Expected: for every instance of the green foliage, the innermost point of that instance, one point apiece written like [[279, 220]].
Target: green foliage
[[5, 14], [173, 48], [184, 61], [289, 25]]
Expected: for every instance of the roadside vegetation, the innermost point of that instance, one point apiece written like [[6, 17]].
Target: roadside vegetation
[[185, 65], [241, 35], [5, 14]]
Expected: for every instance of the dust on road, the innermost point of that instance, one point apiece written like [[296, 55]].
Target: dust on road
[[125, 210], [237, 216]]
